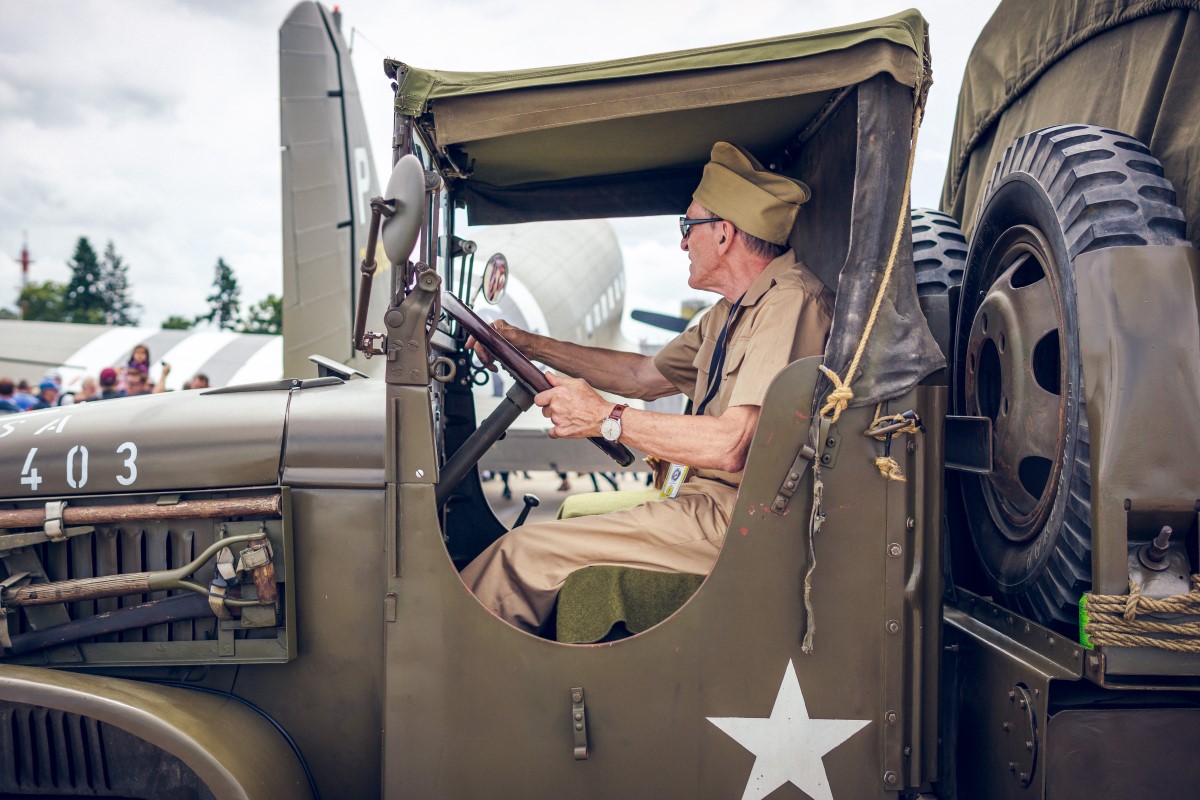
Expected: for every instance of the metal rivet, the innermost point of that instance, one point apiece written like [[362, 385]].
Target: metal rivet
[[578, 726], [825, 459], [793, 476], [578, 717], [831, 442], [910, 523], [912, 447], [894, 550], [789, 485], [576, 697], [420, 473], [893, 626], [891, 718], [907, 751], [891, 778], [1028, 744]]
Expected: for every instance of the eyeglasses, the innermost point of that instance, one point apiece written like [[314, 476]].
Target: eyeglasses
[[685, 224]]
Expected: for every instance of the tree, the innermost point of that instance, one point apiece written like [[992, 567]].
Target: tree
[[265, 316], [224, 303], [8, 313], [44, 301], [176, 323], [121, 310], [84, 300]]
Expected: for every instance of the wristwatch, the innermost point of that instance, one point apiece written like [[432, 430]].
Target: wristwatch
[[610, 428]]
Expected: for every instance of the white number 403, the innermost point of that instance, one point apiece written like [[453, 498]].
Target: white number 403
[[77, 467]]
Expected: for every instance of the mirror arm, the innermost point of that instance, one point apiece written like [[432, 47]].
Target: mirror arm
[[363, 341], [518, 399]]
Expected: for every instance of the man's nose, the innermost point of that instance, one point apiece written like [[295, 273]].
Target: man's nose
[[683, 244]]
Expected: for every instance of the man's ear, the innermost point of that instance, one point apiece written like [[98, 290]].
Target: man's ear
[[725, 237]]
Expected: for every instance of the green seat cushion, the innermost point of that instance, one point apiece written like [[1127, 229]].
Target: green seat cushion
[[595, 600], [585, 505]]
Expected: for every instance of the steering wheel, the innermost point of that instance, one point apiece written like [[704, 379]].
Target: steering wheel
[[518, 365]]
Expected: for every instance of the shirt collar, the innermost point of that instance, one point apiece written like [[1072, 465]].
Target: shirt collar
[[768, 277]]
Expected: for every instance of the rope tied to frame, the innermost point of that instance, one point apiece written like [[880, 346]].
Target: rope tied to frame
[[1120, 620], [841, 396], [882, 429]]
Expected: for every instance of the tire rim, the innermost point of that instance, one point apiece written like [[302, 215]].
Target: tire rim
[[1016, 375]]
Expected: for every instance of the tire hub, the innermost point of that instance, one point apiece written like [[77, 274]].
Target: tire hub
[[1015, 375]]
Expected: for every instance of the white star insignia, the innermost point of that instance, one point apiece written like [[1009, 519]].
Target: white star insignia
[[788, 745]]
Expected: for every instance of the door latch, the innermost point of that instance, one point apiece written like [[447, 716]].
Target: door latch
[[579, 723]]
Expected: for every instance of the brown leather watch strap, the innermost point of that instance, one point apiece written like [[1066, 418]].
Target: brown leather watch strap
[[617, 411]]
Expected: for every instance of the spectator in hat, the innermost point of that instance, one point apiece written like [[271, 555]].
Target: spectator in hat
[[47, 396], [108, 385]]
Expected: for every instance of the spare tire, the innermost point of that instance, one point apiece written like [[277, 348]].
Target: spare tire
[[939, 251], [939, 255], [1055, 194]]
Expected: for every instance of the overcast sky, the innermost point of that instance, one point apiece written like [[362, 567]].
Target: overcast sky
[[156, 124]]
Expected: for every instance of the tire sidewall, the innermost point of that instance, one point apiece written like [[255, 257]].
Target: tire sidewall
[[1019, 199]]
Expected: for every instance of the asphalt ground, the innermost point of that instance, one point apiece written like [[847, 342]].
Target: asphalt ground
[[547, 486]]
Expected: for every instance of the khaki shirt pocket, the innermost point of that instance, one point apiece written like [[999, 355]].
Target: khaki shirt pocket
[[734, 357], [702, 362]]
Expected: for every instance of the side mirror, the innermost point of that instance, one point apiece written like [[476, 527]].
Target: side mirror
[[495, 278], [406, 193]]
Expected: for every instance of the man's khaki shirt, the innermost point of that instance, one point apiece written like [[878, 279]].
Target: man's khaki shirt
[[784, 316]]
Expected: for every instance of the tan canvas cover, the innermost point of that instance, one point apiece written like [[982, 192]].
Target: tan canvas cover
[[1129, 65], [508, 135]]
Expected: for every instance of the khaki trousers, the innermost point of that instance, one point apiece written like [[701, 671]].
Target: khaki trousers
[[519, 576]]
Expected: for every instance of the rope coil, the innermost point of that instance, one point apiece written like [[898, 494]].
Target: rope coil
[[1118, 620]]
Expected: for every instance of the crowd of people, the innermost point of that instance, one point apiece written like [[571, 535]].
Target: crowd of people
[[128, 380]]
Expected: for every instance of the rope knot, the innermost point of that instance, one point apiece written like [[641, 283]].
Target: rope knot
[[1131, 602], [839, 399], [889, 468]]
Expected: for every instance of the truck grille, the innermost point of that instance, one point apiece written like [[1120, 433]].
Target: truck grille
[[48, 752], [132, 548]]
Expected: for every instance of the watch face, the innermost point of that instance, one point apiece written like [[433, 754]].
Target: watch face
[[611, 429]]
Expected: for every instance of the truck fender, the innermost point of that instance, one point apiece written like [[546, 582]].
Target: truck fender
[[237, 753]]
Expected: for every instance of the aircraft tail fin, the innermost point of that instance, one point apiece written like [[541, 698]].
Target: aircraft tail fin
[[328, 180]]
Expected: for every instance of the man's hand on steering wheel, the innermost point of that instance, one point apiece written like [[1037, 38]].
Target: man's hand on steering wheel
[[573, 406], [520, 339]]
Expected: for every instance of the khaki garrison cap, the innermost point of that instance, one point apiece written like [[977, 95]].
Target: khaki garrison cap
[[736, 187]]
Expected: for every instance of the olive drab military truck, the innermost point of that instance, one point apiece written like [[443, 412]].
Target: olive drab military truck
[[252, 592]]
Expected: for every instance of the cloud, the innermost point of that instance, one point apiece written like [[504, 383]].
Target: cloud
[[156, 125]]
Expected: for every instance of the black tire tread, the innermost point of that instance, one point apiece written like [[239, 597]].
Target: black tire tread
[[1073, 162], [939, 251]]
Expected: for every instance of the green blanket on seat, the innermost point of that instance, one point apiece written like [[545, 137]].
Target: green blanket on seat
[[597, 601], [594, 600]]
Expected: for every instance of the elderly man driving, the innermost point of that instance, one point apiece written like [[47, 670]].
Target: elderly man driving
[[773, 311]]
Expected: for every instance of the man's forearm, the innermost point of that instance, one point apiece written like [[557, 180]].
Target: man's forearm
[[608, 370], [698, 441]]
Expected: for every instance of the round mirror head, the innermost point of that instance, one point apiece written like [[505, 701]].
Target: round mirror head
[[495, 278], [406, 191]]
